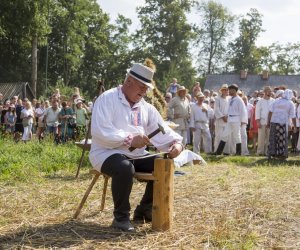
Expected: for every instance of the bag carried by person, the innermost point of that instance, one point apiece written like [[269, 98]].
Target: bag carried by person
[[25, 122], [71, 123]]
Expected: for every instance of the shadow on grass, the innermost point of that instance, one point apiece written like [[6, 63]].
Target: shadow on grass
[[70, 176], [69, 234], [253, 161]]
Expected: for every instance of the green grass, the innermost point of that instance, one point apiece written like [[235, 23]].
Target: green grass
[[234, 202], [32, 160]]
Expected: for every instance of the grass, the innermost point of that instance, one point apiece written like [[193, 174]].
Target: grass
[[232, 203]]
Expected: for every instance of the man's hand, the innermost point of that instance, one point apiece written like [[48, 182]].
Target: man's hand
[[140, 141], [175, 150], [258, 123], [224, 118]]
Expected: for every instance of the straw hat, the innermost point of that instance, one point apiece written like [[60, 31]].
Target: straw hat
[[182, 88], [199, 94], [142, 73], [224, 86]]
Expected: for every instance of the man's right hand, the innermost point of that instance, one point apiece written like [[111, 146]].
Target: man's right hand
[[258, 123], [140, 141], [225, 118]]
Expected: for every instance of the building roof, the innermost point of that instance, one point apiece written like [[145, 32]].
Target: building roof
[[252, 82], [21, 89]]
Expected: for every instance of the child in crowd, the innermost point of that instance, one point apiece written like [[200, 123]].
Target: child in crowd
[[81, 119], [10, 119]]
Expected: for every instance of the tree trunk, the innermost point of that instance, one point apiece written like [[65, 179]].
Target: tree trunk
[[34, 65]]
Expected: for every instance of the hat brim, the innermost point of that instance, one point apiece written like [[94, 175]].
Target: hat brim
[[140, 80], [186, 90], [220, 90]]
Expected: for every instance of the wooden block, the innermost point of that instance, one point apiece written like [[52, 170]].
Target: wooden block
[[163, 195]]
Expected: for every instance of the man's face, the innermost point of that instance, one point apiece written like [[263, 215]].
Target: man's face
[[224, 92], [181, 93], [232, 92], [135, 90], [268, 92]]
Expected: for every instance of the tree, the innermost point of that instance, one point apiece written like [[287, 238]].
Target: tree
[[164, 37], [212, 35], [28, 18], [287, 58], [245, 54]]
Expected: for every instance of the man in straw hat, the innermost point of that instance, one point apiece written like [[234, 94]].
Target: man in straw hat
[[221, 114], [180, 110], [122, 119], [261, 115], [199, 124], [237, 113]]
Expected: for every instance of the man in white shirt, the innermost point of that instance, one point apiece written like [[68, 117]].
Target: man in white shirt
[[122, 119], [261, 117], [221, 114], [179, 108], [51, 118], [236, 114], [199, 124]]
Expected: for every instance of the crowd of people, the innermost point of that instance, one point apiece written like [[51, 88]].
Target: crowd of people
[[229, 121], [59, 117]]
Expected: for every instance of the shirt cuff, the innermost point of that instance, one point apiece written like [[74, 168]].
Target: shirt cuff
[[178, 142], [128, 140]]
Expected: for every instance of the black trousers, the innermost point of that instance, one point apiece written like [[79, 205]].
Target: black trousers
[[121, 170]]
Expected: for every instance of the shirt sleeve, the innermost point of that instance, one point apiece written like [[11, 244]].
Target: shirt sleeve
[[103, 129], [161, 141]]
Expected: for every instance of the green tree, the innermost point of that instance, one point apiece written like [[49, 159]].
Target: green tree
[[245, 54], [287, 58], [212, 35], [164, 37], [23, 28]]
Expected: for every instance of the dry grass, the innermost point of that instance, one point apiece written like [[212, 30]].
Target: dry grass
[[219, 206]]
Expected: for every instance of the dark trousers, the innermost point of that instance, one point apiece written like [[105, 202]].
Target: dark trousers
[[122, 170]]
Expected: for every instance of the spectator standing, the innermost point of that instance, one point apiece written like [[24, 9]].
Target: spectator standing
[[221, 114], [180, 108], [81, 119], [281, 111], [236, 113], [65, 115], [27, 116], [199, 124], [261, 115], [253, 132], [10, 119], [173, 87], [19, 126], [39, 114], [51, 118]]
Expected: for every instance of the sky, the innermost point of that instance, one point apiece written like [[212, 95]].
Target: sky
[[280, 17]]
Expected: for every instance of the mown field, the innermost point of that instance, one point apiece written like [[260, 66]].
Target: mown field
[[232, 203]]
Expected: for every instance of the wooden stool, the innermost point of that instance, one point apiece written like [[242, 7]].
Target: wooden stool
[[163, 192]]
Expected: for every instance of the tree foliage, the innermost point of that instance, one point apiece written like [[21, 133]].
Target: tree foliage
[[212, 36], [245, 54], [165, 36]]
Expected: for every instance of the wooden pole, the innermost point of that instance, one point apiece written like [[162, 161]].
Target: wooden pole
[[163, 195]]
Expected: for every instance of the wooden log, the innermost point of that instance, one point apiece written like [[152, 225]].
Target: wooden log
[[163, 195]]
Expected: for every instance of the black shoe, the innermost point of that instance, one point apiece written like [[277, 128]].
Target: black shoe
[[125, 226], [142, 214]]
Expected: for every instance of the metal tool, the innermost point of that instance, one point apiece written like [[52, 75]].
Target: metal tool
[[155, 132]]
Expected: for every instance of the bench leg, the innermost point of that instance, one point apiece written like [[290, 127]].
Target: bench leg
[[87, 192], [104, 192], [163, 195]]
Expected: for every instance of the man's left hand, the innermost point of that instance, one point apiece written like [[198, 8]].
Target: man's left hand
[[175, 150]]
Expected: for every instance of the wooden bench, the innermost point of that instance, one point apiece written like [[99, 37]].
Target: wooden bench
[[163, 192]]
